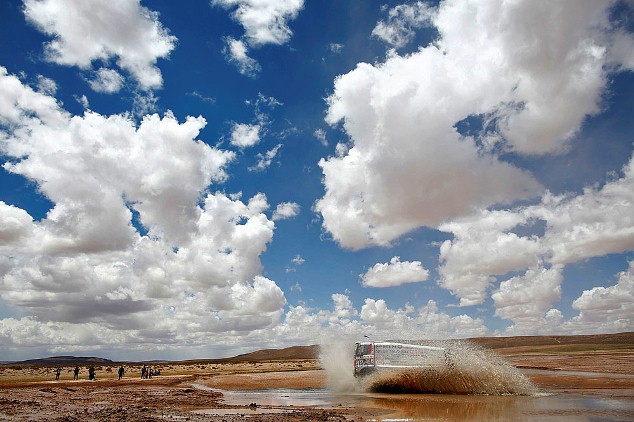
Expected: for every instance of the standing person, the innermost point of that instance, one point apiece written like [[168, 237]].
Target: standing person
[[58, 371], [76, 373], [144, 372], [121, 372], [91, 373]]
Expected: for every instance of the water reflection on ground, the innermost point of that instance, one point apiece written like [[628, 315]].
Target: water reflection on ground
[[505, 408], [280, 397], [439, 407]]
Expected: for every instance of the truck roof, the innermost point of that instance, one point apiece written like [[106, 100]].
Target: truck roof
[[392, 343]]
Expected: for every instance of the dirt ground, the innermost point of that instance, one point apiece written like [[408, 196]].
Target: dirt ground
[[562, 367], [189, 391]]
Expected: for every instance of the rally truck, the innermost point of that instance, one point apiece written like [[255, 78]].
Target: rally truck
[[370, 357]]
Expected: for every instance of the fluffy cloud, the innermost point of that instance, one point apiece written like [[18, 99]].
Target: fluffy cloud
[[245, 135], [264, 22], [18, 101], [410, 167], [82, 32], [135, 248], [594, 223], [30, 332], [467, 268], [394, 273], [236, 52], [286, 210], [106, 80], [377, 320], [601, 309], [427, 322], [125, 167], [403, 20], [46, 86], [607, 309], [265, 160], [525, 299], [15, 224], [343, 306]]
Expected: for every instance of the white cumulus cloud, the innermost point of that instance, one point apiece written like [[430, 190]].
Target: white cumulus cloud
[[264, 22], [135, 247], [394, 273], [106, 80], [403, 20], [525, 299], [594, 223], [286, 210], [245, 135], [607, 309], [409, 167], [82, 31]]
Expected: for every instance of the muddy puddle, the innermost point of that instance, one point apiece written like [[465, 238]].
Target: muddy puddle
[[248, 411], [578, 374], [478, 386], [437, 407], [317, 397]]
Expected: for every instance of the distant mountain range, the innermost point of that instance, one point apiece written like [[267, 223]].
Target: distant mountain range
[[520, 341], [295, 352], [62, 361], [312, 352]]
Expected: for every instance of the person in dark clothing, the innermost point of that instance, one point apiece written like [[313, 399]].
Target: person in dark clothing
[[144, 372], [91, 373], [76, 373], [121, 372], [58, 372]]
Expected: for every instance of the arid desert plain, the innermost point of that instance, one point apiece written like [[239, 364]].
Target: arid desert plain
[[575, 378]]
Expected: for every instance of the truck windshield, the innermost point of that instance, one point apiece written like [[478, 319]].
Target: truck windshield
[[363, 349]]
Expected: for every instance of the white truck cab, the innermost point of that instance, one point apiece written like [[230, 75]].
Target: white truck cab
[[372, 356]]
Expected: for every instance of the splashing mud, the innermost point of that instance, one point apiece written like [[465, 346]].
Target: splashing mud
[[472, 370]]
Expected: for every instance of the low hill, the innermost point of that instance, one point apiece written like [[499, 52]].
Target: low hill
[[294, 352], [63, 361], [532, 341]]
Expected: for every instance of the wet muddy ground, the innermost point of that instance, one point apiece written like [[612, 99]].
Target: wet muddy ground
[[570, 388]]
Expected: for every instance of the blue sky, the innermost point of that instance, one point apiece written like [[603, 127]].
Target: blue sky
[[201, 180]]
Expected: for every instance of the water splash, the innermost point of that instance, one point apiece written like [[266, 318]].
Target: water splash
[[337, 359], [473, 370]]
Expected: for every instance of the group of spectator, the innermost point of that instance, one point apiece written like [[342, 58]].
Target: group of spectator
[[149, 372], [145, 372], [91, 373]]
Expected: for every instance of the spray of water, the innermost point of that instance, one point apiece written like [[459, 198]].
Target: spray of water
[[337, 360], [473, 370]]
